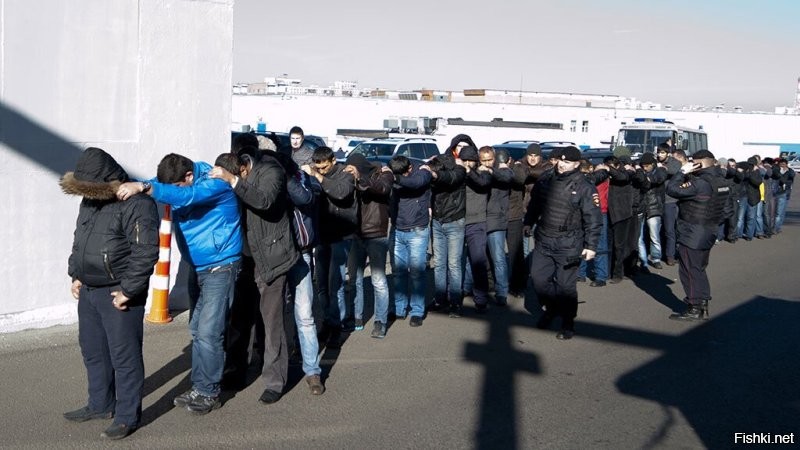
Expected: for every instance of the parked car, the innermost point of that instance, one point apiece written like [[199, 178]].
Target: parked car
[[794, 163], [597, 155], [283, 138], [382, 150], [517, 149]]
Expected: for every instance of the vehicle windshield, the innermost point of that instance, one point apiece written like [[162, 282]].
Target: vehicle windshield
[[641, 141], [369, 149]]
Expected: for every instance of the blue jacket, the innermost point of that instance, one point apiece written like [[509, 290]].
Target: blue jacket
[[206, 218]]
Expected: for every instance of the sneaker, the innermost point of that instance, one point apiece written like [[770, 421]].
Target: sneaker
[[597, 283], [565, 335], [656, 265], [315, 384], [455, 311], [581, 279], [395, 316], [416, 321], [379, 330], [117, 431], [84, 414], [359, 324], [501, 301], [672, 262], [615, 280], [184, 399], [269, 397], [203, 404]]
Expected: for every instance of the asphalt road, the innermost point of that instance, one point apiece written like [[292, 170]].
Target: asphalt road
[[630, 378]]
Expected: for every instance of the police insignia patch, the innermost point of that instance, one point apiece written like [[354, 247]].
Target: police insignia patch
[[596, 200]]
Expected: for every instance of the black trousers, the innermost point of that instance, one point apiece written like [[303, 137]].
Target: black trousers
[[111, 345], [692, 272], [276, 357], [518, 272], [245, 329], [475, 238], [625, 239], [554, 272]]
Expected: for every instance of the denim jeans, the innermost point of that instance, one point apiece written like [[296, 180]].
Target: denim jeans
[[598, 265], [301, 288], [448, 249], [209, 318], [741, 213], [410, 260], [747, 222], [331, 270], [654, 230], [376, 249], [780, 211], [760, 219], [496, 241]]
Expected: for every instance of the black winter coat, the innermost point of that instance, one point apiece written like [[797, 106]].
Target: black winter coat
[[269, 233], [115, 242]]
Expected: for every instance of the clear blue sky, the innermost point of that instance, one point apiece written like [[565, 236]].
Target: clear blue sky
[[676, 52]]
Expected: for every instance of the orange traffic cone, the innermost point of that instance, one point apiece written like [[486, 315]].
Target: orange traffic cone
[[159, 310]]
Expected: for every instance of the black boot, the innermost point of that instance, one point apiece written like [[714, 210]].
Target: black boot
[[693, 312]]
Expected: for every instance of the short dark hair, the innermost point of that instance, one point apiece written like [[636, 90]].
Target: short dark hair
[[296, 130], [399, 164], [242, 140], [322, 154], [173, 168], [230, 162], [663, 147], [502, 156], [679, 152], [435, 164], [610, 160]]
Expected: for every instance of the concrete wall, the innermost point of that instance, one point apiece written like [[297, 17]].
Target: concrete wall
[[138, 78]]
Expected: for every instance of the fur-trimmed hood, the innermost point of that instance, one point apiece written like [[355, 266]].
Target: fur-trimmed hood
[[97, 176]]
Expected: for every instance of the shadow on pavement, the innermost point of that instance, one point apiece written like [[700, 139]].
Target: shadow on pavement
[[738, 372]]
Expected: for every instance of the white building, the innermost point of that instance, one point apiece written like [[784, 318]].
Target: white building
[[130, 77]]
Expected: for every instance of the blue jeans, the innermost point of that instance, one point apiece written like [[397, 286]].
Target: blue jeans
[[331, 269], [747, 219], [301, 288], [448, 249], [654, 230], [599, 265], [496, 241], [376, 249], [780, 211], [410, 260], [760, 219], [741, 212], [209, 318]]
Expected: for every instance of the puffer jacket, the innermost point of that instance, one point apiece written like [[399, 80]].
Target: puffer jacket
[[115, 242], [206, 218], [448, 191]]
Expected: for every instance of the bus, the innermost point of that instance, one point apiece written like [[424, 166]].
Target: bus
[[645, 134]]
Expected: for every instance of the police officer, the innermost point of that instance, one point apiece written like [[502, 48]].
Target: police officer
[[702, 197], [566, 209]]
